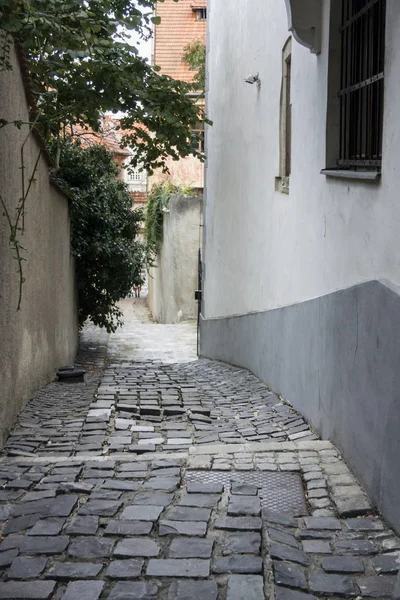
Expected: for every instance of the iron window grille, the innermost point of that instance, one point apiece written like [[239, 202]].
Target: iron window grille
[[362, 83], [201, 14]]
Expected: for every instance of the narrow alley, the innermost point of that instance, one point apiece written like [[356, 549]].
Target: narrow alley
[[164, 477]]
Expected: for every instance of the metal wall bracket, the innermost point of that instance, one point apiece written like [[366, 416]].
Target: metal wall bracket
[[305, 22]]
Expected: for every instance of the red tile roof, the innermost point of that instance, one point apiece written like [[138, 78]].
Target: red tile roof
[[177, 29]]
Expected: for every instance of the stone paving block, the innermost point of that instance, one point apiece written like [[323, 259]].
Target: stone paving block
[[200, 500], [44, 544], [333, 584], [316, 547], [182, 528], [241, 543], [166, 484], [124, 569], [183, 513], [193, 590], [245, 563], [245, 587], [61, 506], [175, 567], [7, 557], [289, 575], [24, 567], [137, 547], [124, 486], [244, 505], [376, 587], [323, 523], [65, 571], [50, 526], [239, 523], [279, 518], [82, 526], [153, 498], [128, 528], [283, 537], [287, 553], [84, 590], [101, 508], [287, 594], [19, 524], [343, 564], [243, 489], [142, 513], [387, 563], [90, 547], [361, 547], [134, 590], [364, 524], [30, 590], [191, 548]]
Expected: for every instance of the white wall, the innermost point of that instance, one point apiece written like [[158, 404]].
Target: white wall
[[265, 249]]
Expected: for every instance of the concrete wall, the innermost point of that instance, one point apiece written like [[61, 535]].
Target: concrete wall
[[294, 309], [42, 335], [336, 359], [173, 283], [327, 234]]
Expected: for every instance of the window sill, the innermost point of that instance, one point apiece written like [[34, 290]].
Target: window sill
[[373, 176]]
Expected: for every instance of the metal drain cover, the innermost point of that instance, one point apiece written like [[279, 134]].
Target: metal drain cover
[[280, 492]]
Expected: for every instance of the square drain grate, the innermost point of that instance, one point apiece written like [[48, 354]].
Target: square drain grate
[[280, 492]]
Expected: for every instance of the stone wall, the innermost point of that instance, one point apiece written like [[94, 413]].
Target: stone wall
[[43, 334], [173, 283]]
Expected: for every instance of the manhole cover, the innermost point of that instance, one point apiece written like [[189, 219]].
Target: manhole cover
[[281, 492]]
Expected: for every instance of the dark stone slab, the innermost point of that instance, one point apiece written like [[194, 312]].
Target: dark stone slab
[[165, 484], [30, 590], [73, 570], [290, 575], [153, 499], [142, 513], [25, 567], [19, 524], [387, 563], [101, 508], [87, 590], [7, 557], [323, 523], [239, 523], [200, 500], [279, 518], [182, 528], [244, 505], [244, 489], [31, 496], [362, 547], [50, 526], [342, 564], [11, 541], [61, 506], [44, 544], [91, 547], [376, 587], [128, 528], [83, 526], [183, 513], [175, 567], [283, 552], [248, 587], [191, 548], [105, 495], [137, 547], [124, 569], [204, 488], [79, 488], [241, 543], [333, 584], [238, 564], [116, 484], [196, 590], [365, 524], [135, 590], [277, 535], [316, 547], [286, 594]]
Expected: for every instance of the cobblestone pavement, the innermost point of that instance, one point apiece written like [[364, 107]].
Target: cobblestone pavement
[[160, 480]]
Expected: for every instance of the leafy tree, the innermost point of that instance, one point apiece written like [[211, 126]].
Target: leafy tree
[[194, 55], [83, 64], [109, 258]]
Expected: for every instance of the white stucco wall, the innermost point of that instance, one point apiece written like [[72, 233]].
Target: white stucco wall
[[262, 248]]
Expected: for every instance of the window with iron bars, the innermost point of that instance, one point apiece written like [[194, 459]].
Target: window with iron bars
[[361, 83], [201, 14]]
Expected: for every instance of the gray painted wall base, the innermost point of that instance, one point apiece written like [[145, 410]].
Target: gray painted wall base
[[337, 360]]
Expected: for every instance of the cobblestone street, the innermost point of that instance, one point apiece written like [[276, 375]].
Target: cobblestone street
[[163, 477]]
